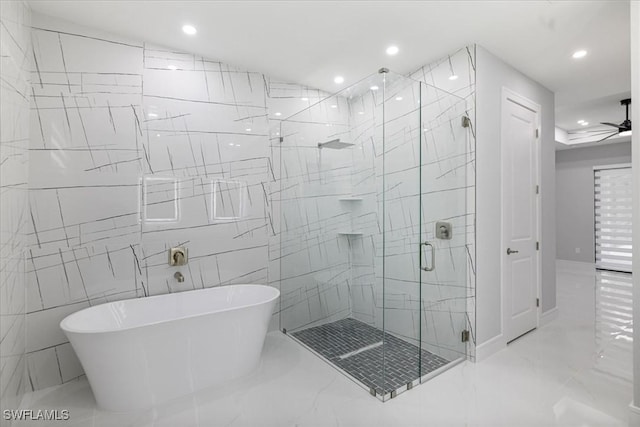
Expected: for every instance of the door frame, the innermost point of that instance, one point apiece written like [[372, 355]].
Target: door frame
[[509, 95]]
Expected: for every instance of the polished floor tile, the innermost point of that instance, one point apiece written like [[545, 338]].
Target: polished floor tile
[[557, 375]]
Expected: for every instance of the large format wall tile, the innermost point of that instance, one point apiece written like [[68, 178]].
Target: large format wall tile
[[15, 57], [136, 149], [87, 157], [206, 125]]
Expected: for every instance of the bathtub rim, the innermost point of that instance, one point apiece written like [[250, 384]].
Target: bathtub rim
[[66, 329]]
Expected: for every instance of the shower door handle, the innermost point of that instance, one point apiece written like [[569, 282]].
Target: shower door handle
[[433, 257]]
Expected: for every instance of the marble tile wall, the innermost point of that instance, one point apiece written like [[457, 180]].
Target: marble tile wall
[[87, 154], [135, 149], [314, 252], [15, 57]]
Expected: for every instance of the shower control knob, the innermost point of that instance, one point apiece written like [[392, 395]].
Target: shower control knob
[[178, 256]]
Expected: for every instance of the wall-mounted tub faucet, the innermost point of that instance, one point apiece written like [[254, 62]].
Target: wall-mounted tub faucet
[[179, 277], [178, 256]]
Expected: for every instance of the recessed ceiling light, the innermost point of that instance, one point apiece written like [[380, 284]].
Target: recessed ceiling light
[[334, 106], [374, 88], [453, 77], [305, 99], [392, 50], [580, 122], [278, 114], [398, 98], [189, 29], [579, 54], [338, 79], [172, 67], [584, 123], [248, 129], [152, 115]]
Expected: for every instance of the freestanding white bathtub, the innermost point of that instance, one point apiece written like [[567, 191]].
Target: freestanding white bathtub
[[141, 352]]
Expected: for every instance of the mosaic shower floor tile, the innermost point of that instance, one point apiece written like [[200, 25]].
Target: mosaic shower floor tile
[[362, 351]]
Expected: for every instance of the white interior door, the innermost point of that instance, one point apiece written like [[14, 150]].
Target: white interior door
[[520, 135]]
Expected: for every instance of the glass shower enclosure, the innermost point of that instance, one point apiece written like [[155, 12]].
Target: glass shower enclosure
[[372, 251]]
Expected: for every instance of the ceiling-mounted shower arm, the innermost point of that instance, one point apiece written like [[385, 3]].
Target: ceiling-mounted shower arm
[[335, 144]]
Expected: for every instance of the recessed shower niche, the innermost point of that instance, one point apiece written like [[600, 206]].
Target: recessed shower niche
[[365, 284]]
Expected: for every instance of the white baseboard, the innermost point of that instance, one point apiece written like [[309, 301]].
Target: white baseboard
[[548, 316], [634, 415], [575, 267], [490, 347]]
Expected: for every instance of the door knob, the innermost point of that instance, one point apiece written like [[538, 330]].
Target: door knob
[[510, 251]]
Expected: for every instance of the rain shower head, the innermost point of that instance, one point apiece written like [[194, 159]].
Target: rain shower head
[[334, 144]]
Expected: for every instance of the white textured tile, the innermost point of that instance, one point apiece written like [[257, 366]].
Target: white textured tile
[[43, 369], [43, 327], [15, 63], [70, 366]]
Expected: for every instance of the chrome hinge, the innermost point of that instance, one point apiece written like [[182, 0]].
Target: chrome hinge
[[537, 189], [537, 133], [465, 336], [282, 139], [537, 246], [537, 302]]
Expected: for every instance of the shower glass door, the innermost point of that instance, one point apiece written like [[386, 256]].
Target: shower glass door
[[399, 273], [447, 287], [359, 287], [424, 258]]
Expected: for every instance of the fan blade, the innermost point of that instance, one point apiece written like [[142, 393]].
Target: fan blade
[[607, 137], [592, 132], [614, 125], [576, 137]]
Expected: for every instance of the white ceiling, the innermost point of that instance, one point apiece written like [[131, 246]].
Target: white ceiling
[[310, 42]]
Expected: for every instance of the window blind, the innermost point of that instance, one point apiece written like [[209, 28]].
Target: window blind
[[613, 210]]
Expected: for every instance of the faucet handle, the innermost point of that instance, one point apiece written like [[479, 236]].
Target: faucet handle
[[178, 256], [178, 276]]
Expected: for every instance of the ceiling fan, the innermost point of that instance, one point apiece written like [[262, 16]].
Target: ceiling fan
[[624, 128]]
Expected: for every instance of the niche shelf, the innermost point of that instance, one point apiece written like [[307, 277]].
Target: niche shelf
[[349, 233]]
